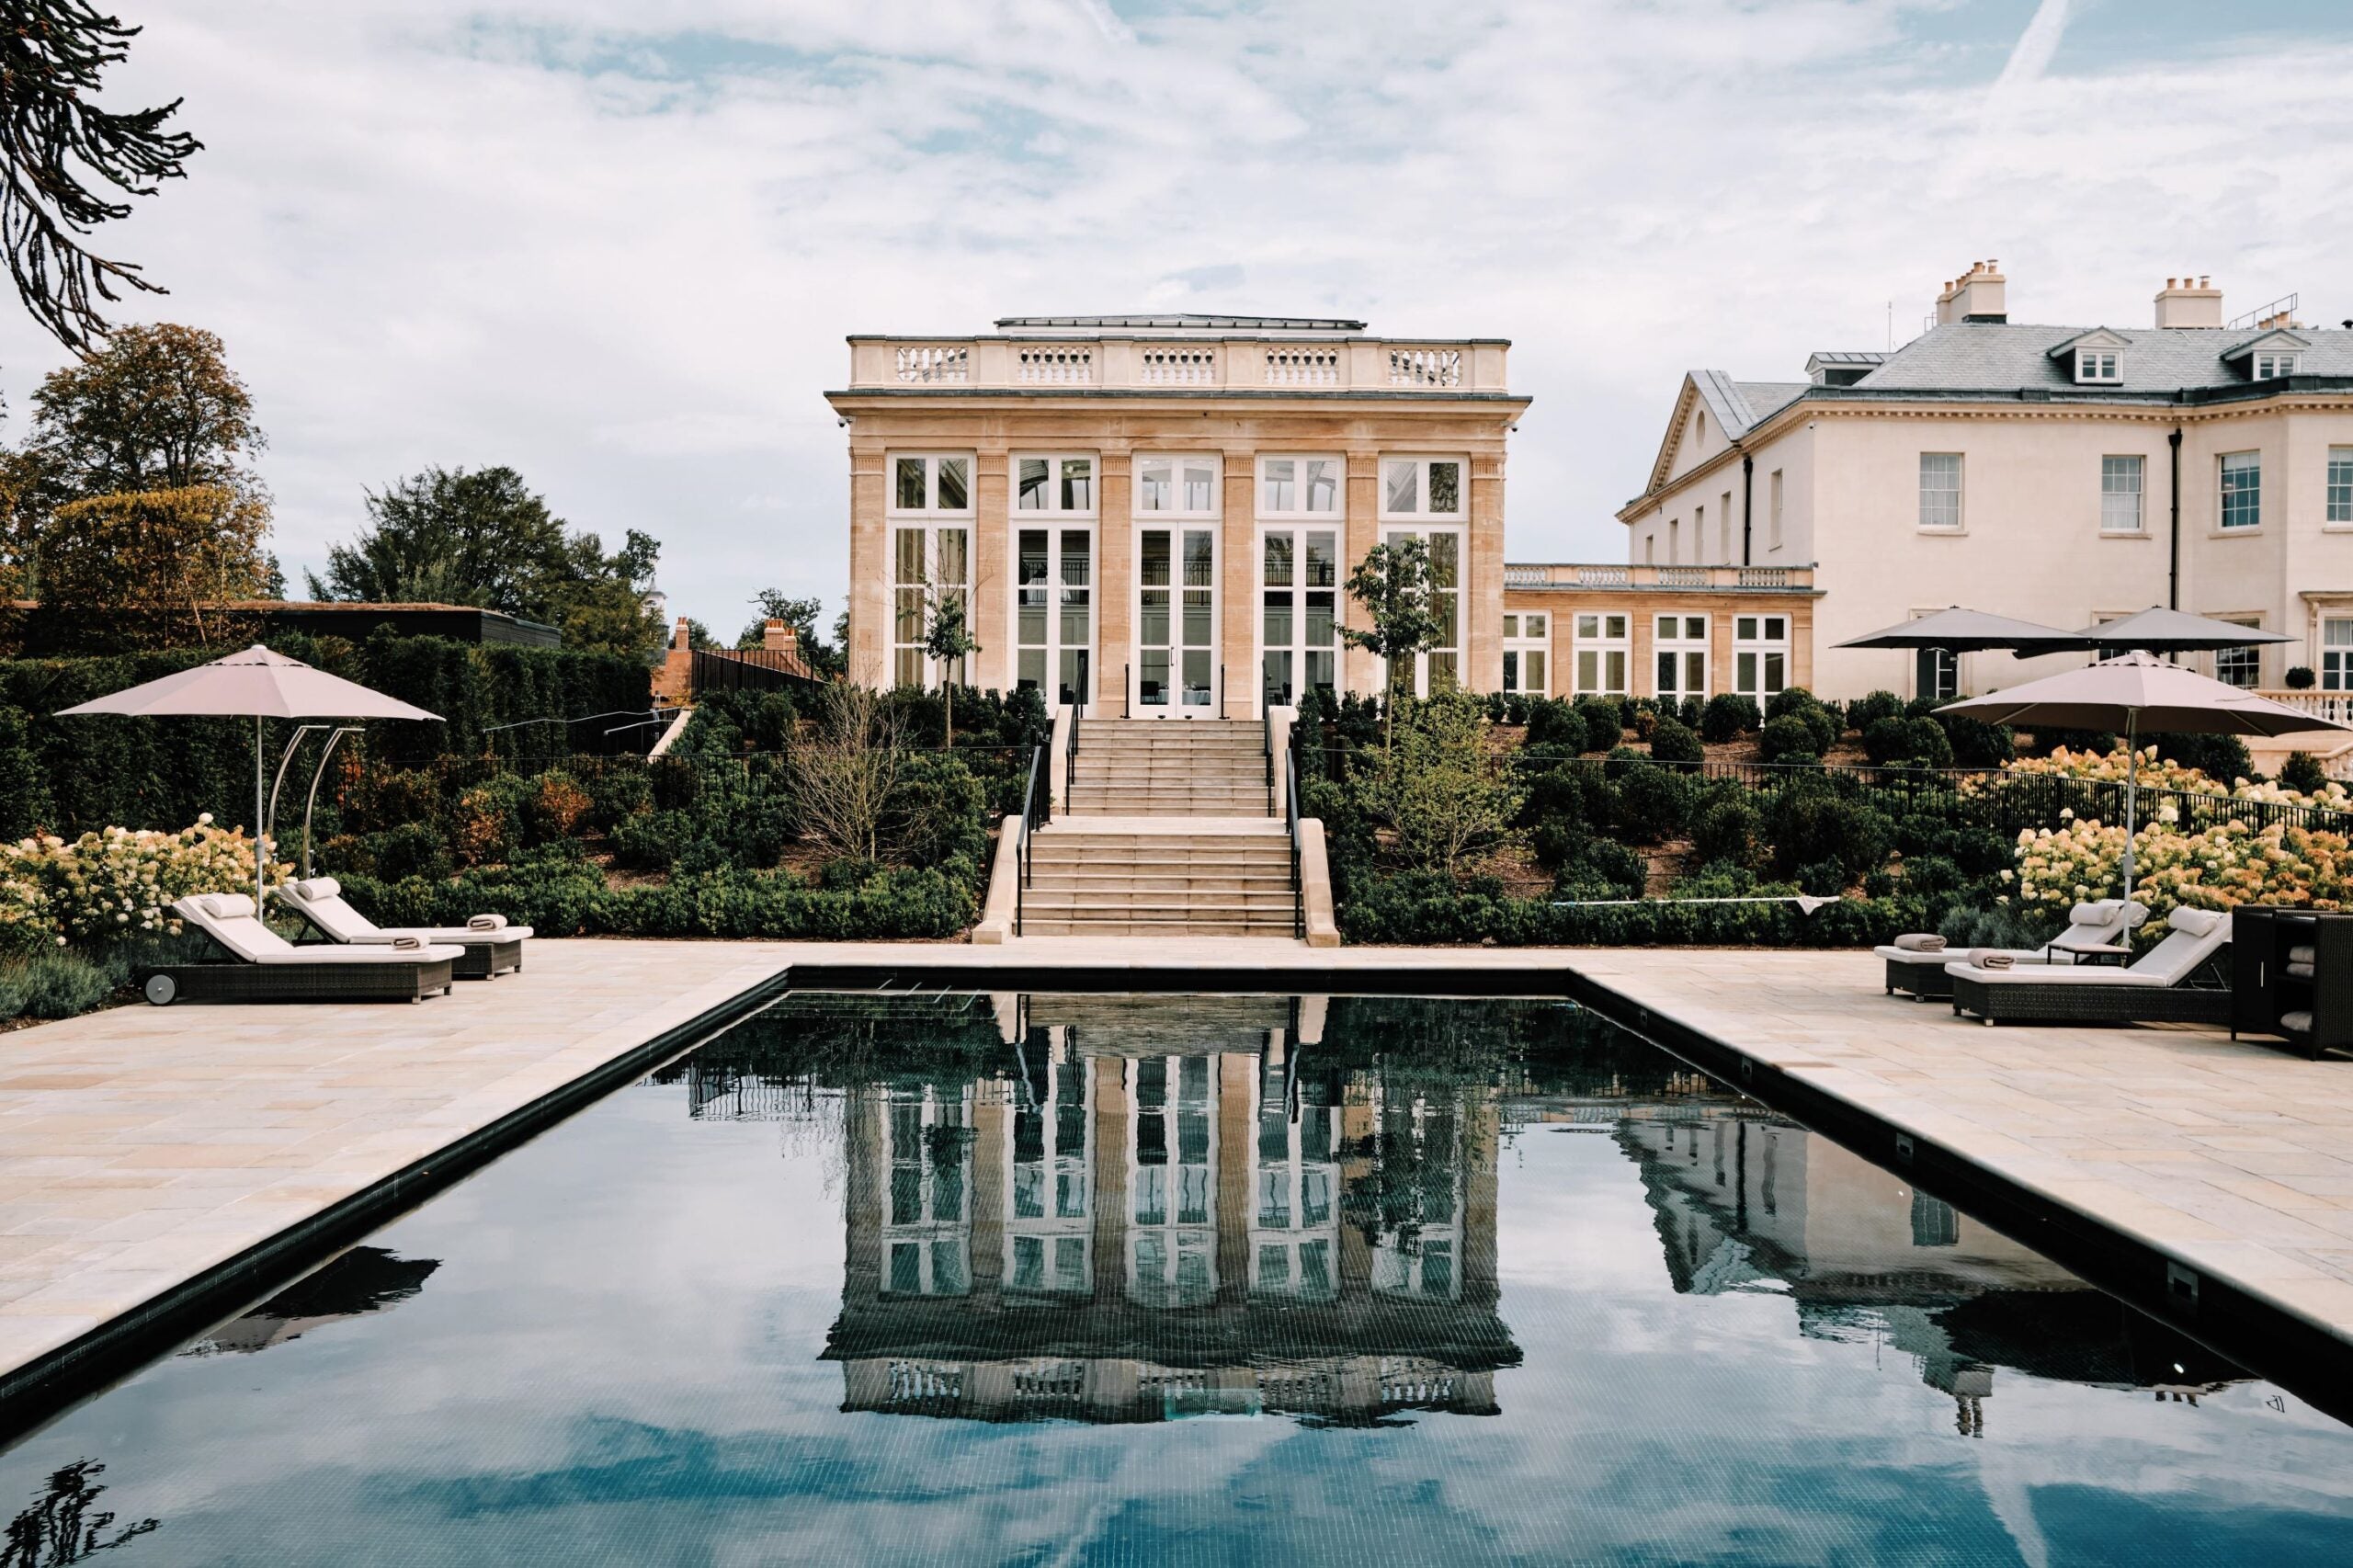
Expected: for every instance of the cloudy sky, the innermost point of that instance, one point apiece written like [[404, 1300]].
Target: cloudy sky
[[617, 243]]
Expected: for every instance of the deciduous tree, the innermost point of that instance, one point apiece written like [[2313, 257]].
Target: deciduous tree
[[67, 165], [173, 559], [1392, 582], [157, 408]]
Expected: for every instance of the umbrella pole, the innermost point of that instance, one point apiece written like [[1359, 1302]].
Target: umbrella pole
[[2131, 781], [260, 855]]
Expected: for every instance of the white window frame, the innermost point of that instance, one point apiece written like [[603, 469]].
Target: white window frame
[[1754, 641], [1528, 633], [1299, 648], [1958, 491], [1178, 462], [1174, 705], [2097, 367], [1421, 513], [2247, 658], [931, 508], [1054, 477], [1602, 632], [2252, 462], [1671, 636], [2336, 651], [1458, 650], [2273, 363], [2113, 468], [1337, 510], [1057, 593], [909, 655], [2337, 495]]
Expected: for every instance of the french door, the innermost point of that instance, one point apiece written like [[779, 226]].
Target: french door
[[1054, 613], [1176, 669], [1298, 623]]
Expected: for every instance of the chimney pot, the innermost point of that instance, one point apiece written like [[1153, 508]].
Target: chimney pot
[[778, 637], [681, 639]]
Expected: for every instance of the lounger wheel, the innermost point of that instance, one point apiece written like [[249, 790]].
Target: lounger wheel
[[161, 990]]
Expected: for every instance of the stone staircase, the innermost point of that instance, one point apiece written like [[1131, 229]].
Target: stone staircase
[[1166, 831]]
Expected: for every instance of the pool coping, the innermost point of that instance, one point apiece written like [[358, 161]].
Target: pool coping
[[2272, 1337]]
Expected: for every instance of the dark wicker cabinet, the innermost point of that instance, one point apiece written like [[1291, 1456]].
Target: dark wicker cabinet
[[2291, 976]]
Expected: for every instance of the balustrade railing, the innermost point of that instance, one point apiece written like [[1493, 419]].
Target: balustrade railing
[[935, 363], [1590, 575], [1188, 366], [1425, 367], [1304, 364], [1306, 367], [1057, 366]]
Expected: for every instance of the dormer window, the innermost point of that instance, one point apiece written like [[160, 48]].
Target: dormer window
[[2096, 367], [2275, 363]]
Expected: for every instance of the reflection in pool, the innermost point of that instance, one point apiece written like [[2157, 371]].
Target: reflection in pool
[[1087, 1279]]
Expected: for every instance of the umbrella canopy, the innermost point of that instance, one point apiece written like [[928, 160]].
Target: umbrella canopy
[[1966, 631], [2176, 631], [256, 685], [2137, 692], [2133, 693]]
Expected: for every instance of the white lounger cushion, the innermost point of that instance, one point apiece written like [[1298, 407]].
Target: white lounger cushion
[[2091, 928], [321, 901], [2193, 938], [1962, 955], [228, 918]]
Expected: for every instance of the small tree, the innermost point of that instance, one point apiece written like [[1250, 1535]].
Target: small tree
[[948, 637], [1392, 582], [846, 774], [174, 558], [1439, 788]]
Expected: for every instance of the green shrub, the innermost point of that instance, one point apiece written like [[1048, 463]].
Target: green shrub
[[1653, 802], [1867, 710], [1556, 723], [1787, 738], [935, 814], [2302, 773], [25, 801], [2299, 678], [1728, 716], [1824, 725], [1423, 907], [2223, 758], [553, 805], [1823, 878], [651, 841], [57, 984], [415, 849], [1976, 745], [486, 823], [1907, 739], [1790, 700], [1672, 741], [1811, 823], [1731, 832], [616, 792], [1605, 721]]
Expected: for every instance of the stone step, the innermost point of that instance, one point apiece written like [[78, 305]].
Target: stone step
[[1037, 926], [1144, 887]]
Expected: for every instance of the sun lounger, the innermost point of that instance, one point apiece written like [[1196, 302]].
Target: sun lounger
[[2181, 980], [265, 967], [2095, 930], [492, 946]]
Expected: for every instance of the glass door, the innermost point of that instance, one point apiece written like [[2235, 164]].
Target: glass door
[[1054, 613], [1298, 626], [1175, 674]]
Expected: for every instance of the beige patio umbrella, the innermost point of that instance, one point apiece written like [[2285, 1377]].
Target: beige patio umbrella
[[2132, 693], [255, 684]]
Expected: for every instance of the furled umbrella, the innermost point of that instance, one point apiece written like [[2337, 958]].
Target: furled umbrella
[[2161, 630], [258, 684], [2134, 692]]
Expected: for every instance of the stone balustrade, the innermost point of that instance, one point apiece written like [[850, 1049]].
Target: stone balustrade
[[1220, 363], [1587, 575]]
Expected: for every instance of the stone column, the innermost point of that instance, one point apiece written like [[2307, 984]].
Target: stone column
[[992, 570], [1361, 531], [1115, 582], [870, 565], [1238, 588], [1237, 1145], [1482, 575], [1110, 1197]]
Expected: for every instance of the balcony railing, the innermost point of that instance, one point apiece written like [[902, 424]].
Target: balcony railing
[[1576, 574], [1282, 364], [2336, 705]]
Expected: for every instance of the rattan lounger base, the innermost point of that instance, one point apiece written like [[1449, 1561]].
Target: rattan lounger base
[[1923, 978], [2015, 1001], [484, 960], [299, 981]]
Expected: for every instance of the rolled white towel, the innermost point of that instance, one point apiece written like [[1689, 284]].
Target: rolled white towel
[[486, 923], [2298, 971], [1986, 957], [2296, 1023], [1921, 942], [407, 943], [2301, 953]]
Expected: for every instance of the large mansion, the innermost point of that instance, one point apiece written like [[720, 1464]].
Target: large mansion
[[2060, 474], [1154, 517]]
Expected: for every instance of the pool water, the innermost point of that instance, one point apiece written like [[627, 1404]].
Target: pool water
[[1087, 1279]]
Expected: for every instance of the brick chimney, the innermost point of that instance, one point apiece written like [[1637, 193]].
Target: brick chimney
[[678, 638], [2187, 301], [778, 637], [1980, 294]]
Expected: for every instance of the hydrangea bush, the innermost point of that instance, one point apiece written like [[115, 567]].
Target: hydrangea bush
[[2155, 773], [118, 882], [2228, 864]]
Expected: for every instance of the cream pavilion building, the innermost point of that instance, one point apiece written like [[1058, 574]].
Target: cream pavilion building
[[1154, 517], [2061, 473]]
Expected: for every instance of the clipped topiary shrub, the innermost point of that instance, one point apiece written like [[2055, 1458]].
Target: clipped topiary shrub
[[1788, 738], [1671, 741], [1728, 716], [1653, 802], [2299, 678], [1605, 721], [2302, 773], [652, 841], [1907, 739], [1553, 722], [1867, 710], [1731, 832]]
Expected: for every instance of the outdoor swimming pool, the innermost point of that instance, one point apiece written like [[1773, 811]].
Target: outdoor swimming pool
[[1057, 1279]]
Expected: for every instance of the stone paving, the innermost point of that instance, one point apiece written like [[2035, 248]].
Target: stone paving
[[141, 1146]]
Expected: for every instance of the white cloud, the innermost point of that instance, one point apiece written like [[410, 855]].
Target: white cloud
[[618, 243]]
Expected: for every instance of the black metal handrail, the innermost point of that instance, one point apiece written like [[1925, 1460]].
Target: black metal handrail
[[1267, 743], [1127, 691], [1037, 810], [1290, 820], [1220, 690]]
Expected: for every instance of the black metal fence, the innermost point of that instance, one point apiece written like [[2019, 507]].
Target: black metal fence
[[718, 669]]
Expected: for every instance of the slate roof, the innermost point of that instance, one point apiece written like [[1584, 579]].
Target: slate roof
[[1739, 406], [2004, 358]]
